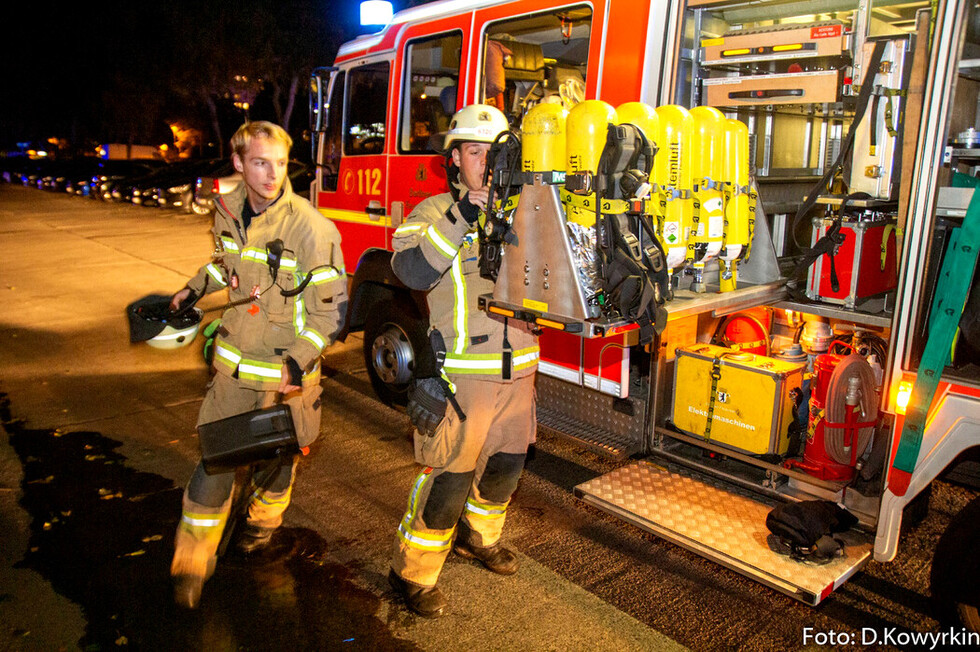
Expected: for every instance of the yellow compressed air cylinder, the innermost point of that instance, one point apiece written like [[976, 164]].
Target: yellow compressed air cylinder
[[585, 137], [672, 172], [643, 116], [543, 141], [736, 176], [707, 168]]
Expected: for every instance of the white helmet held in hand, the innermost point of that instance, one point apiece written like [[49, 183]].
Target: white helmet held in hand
[[152, 321]]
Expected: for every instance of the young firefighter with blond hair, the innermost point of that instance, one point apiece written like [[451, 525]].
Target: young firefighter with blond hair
[[473, 451], [268, 241]]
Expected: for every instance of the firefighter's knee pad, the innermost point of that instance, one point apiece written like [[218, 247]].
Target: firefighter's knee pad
[[500, 477], [210, 490], [446, 500]]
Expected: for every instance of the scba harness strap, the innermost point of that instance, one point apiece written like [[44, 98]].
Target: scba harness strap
[[634, 272]]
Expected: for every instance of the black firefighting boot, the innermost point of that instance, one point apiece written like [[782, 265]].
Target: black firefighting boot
[[426, 601], [496, 558], [253, 538], [187, 590]]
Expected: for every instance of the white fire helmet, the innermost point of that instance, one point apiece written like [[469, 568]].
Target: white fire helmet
[[182, 333], [479, 123]]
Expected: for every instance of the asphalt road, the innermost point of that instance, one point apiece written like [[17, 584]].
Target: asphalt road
[[100, 440]]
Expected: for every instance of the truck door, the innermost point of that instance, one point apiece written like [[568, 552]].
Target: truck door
[[352, 167], [433, 55]]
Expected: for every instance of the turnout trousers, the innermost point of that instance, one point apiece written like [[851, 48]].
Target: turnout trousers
[[207, 498], [468, 495]]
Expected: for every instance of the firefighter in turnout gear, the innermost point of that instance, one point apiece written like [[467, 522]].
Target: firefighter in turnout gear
[[475, 420], [282, 265]]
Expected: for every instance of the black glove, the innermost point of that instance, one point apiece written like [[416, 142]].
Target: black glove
[[470, 212], [426, 404]]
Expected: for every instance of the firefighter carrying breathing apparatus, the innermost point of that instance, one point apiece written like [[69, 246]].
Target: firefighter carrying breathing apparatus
[[628, 255]]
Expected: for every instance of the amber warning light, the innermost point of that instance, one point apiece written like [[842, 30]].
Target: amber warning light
[[902, 396]]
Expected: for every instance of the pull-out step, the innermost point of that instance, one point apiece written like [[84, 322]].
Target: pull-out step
[[719, 522], [609, 426]]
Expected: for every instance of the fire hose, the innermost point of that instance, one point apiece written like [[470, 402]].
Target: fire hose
[[851, 391]]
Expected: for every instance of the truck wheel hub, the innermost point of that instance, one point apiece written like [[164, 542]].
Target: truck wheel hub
[[392, 355]]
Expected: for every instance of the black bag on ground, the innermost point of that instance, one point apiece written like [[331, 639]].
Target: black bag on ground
[[805, 530], [247, 438]]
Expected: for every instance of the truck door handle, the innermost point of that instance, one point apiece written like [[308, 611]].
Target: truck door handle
[[375, 210], [765, 94]]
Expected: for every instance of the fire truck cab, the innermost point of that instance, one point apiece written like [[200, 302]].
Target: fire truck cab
[[788, 358]]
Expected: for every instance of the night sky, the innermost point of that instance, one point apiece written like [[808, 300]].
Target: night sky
[[111, 70]]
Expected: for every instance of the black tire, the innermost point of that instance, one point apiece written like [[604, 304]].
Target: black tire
[[395, 336], [955, 576]]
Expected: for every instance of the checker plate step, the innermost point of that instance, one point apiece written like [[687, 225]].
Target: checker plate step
[[719, 522], [602, 441]]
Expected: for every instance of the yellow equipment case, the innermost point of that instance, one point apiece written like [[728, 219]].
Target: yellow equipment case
[[752, 406]]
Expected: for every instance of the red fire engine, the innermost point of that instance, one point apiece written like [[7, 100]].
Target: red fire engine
[[842, 139]]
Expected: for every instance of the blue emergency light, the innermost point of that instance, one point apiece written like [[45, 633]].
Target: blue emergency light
[[376, 12]]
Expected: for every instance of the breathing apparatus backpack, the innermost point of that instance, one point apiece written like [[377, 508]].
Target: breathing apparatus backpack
[[632, 262], [504, 176]]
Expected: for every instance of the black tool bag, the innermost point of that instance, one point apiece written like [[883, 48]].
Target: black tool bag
[[247, 438], [805, 530]]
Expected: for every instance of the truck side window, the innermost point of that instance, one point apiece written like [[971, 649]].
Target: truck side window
[[537, 58], [367, 106], [330, 154], [431, 77]]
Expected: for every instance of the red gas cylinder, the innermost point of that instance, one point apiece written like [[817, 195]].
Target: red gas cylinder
[[823, 369]]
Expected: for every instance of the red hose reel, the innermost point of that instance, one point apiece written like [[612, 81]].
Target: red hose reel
[[843, 415]]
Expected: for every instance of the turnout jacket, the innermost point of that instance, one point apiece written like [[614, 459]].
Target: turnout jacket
[[255, 338], [437, 250]]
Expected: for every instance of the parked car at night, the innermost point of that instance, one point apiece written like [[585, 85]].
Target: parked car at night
[[58, 175], [180, 194], [139, 189], [208, 187], [114, 171], [121, 189], [12, 168], [34, 173], [171, 181]]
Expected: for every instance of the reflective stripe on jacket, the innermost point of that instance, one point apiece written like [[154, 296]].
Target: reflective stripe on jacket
[[255, 337], [436, 250]]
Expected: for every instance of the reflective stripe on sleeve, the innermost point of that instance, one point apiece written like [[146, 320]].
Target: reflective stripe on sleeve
[[440, 242], [409, 228], [215, 272], [326, 274], [299, 315], [313, 338]]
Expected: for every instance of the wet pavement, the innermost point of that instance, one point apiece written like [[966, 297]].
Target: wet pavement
[[101, 533], [98, 440]]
